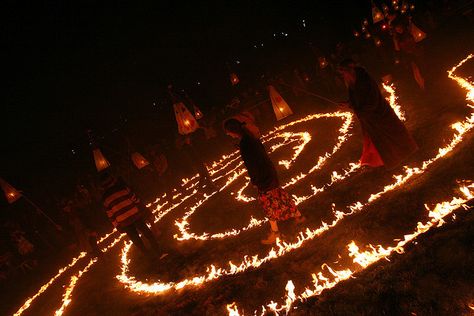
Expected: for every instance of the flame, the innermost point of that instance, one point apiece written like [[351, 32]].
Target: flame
[[321, 281], [68, 293], [392, 100]]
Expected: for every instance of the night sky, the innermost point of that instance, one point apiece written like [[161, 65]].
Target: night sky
[[85, 65]]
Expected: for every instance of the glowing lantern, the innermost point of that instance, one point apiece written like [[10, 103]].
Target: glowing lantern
[[10, 192], [234, 79], [417, 34], [377, 41], [323, 63], [367, 35], [280, 107], [139, 161], [100, 162], [186, 121], [377, 15], [197, 113], [356, 34], [365, 22]]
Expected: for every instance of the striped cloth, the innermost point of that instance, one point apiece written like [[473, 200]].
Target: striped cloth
[[122, 205]]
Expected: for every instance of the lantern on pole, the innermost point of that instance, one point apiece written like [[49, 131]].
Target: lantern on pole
[[139, 161], [13, 195], [377, 15], [234, 79], [101, 162], [280, 107], [417, 34], [186, 121], [10, 192]]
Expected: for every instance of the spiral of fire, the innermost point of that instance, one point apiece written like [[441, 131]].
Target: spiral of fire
[[229, 169]]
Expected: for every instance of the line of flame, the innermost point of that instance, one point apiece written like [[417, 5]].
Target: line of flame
[[437, 214], [284, 247]]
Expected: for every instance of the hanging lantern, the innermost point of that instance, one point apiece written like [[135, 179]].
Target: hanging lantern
[[356, 34], [280, 107], [100, 162], [417, 34], [197, 113], [10, 192], [139, 161], [367, 35], [234, 79], [186, 121], [365, 22], [377, 15]]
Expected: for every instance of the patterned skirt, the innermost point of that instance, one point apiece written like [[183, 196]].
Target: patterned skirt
[[277, 204]]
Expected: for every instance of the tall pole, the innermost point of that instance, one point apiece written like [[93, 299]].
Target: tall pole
[[39, 210]]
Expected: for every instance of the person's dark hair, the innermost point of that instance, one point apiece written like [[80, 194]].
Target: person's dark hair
[[235, 126]]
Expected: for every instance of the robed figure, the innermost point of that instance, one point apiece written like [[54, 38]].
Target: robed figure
[[387, 142]]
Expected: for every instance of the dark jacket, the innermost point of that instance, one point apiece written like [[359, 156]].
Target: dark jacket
[[261, 170], [379, 121]]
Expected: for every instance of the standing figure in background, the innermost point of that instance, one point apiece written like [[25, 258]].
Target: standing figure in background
[[163, 170], [195, 145], [386, 140], [276, 202], [411, 53], [127, 213]]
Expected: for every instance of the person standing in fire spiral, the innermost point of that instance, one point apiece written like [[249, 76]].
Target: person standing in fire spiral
[[277, 204]]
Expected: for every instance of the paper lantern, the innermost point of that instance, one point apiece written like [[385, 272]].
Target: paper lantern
[[100, 162], [377, 15], [10, 192], [139, 161], [234, 79], [197, 113], [417, 34], [186, 121], [280, 107], [356, 34]]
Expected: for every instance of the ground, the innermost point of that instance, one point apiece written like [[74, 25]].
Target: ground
[[434, 276]]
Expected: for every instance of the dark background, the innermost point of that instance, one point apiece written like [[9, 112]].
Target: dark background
[[78, 66]]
